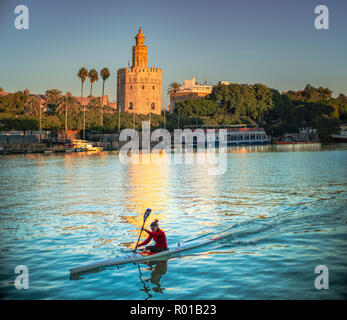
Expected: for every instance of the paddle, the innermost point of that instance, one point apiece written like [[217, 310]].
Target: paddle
[[145, 216]]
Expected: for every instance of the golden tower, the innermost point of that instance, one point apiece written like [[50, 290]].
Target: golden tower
[[140, 51], [139, 86]]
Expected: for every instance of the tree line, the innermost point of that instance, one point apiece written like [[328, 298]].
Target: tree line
[[227, 104], [277, 112]]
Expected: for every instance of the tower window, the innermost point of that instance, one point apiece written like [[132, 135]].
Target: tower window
[[131, 87], [131, 107], [153, 87], [153, 106], [143, 87]]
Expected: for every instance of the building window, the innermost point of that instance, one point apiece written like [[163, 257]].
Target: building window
[[143, 87], [153, 87], [153, 106], [131, 87], [130, 106]]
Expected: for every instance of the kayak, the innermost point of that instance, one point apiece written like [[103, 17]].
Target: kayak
[[140, 256]]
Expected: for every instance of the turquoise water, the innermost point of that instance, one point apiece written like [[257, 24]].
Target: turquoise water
[[287, 212]]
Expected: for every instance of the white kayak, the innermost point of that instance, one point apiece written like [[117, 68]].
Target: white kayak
[[139, 257]]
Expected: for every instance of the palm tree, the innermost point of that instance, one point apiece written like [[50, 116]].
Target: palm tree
[[173, 87], [33, 107], [67, 102], [52, 98], [83, 74], [104, 73], [93, 76]]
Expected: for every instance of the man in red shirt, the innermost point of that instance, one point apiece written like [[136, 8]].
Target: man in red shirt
[[159, 237]]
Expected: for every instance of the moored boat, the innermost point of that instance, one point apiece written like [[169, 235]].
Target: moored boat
[[84, 145], [342, 136], [237, 135]]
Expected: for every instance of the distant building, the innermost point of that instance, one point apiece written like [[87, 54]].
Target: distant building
[[190, 90], [3, 93], [139, 86], [226, 83], [102, 100]]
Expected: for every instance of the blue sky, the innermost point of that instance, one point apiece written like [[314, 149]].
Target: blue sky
[[269, 41]]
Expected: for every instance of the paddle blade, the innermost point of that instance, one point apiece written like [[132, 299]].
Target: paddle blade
[[147, 213]]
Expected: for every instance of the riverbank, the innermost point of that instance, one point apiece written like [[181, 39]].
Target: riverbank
[[23, 148], [42, 149]]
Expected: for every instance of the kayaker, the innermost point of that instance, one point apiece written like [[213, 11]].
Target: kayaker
[[159, 237]]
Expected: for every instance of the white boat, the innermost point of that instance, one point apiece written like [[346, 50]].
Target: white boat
[[237, 135], [140, 257], [342, 137], [84, 145]]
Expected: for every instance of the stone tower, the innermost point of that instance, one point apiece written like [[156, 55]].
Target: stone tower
[[139, 86], [140, 51]]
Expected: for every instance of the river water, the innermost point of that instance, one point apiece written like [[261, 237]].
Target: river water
[[286, 211]]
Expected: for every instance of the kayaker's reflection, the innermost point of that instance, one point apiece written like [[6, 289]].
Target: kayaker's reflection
[[157, 268]]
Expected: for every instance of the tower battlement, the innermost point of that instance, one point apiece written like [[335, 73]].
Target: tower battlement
[[137, 69]]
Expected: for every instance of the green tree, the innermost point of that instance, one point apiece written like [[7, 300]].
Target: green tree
[[93, 118], [25, 123], [52, 97], [197, 108], [342, 107], [326, 126], [13, 103], [173, 88], [33, 107], [51, 123], [67, 104], [264, 102], [7, 121]]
